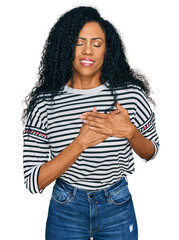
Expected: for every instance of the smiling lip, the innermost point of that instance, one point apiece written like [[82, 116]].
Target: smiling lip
[[87, 62]]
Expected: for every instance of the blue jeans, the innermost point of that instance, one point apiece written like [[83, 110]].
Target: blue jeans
[[106, 214]]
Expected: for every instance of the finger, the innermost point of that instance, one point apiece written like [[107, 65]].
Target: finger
[[94, 122], [84, 114], [119, 107], [94, 109], [95, 114], [90, 118], [99, 130]]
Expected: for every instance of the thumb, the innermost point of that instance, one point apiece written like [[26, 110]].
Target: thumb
[[119, 107], [114, 112]]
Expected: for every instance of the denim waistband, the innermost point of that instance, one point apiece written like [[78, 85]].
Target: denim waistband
[[96, 194]]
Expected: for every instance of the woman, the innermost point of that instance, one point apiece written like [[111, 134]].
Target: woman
[[88, 112]]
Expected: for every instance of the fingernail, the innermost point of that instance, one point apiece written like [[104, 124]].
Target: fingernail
[[83, 120], [81, 116], [84, 113]]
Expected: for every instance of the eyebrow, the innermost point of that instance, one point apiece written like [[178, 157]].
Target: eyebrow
[[92, 38]]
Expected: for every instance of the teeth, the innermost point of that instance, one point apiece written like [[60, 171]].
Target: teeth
[[86, 61]]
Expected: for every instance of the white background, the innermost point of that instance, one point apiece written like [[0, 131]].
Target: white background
[[150, 33]]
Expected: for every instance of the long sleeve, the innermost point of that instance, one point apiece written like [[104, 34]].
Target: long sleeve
[[145, 120], [36, 146]]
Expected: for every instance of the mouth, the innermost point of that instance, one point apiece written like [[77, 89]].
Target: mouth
[[87, 62]]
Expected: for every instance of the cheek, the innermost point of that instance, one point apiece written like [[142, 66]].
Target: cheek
[[77, 54], [101, 58], [101, 54], [76, 60]]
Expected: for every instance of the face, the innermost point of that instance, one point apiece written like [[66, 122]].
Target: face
[[90, 51]]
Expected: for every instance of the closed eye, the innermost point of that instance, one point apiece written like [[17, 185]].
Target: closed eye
[[95, 45], [79, 44]]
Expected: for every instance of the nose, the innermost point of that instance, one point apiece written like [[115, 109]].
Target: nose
[[87, 50]]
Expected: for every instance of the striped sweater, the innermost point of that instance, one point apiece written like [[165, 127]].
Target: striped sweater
[[54, 124]]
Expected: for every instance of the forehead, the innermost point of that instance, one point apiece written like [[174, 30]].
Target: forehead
[[91, 30]]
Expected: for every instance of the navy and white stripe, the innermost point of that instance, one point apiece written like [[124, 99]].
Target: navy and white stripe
[[53, 125]]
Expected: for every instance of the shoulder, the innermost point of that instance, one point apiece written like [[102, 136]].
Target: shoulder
[[36, 108], [134, 95], [40, 103], [132, 91]]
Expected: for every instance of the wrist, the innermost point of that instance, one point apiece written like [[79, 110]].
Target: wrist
[[132, 132], [80, 143]]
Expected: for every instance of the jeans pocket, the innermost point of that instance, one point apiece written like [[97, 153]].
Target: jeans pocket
[[60, 196], [120, 196]]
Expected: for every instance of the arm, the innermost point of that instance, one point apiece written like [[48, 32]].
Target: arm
[[53, 169], [38, 170], [142, 146], [118, 124]]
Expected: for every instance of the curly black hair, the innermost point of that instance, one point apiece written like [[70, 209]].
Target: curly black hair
[[55, 68]]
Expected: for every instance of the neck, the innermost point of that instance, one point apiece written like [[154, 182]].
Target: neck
[[84, 82]]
